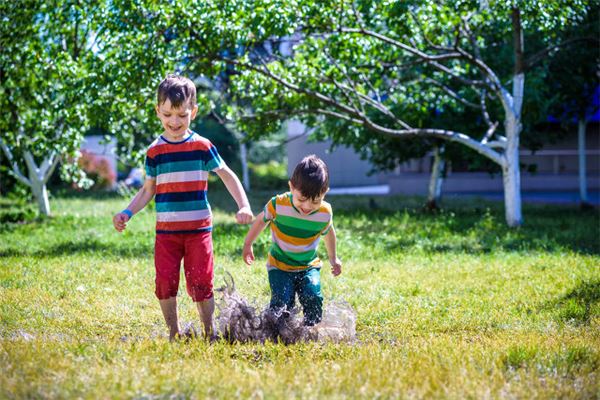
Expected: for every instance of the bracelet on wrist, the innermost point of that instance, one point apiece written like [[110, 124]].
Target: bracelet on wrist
[[128, 213]]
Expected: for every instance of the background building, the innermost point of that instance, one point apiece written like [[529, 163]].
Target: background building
[[556, 167]]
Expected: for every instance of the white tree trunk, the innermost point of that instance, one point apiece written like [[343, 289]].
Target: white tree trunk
[[511, 174], [437, 178], [38, 176], [244, 161], [40, 192], [583, 194]]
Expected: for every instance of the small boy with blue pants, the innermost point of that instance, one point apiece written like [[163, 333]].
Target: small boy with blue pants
[[298, 219]]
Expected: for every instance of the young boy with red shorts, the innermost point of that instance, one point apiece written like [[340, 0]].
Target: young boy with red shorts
[[177, 167]]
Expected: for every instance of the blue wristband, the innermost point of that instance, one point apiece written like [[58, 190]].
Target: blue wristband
[[128, 213]]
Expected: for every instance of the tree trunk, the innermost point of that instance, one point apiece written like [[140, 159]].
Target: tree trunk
[[513, 105], [583, 195], [40, 192], [511, 174], [437, 178], [244, 161], [38, 176]]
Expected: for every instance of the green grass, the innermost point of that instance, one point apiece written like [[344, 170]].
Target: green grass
[[449, 305]]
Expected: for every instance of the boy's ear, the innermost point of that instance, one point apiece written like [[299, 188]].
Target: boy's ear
[[194, 111], [290, 185], [156, 109]]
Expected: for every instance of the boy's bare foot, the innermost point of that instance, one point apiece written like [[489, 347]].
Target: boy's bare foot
[[188, 333]]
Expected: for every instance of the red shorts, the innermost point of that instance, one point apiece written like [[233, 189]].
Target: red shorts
[[196, 250]]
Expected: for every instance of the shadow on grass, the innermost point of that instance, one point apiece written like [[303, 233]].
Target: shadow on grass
[[577, 306], [389, 224], [93, 247], [468, 227]]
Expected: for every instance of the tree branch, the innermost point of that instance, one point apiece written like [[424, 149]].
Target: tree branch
[[409, 49], [50, 164], [15, 167], [349, 114], [31, 165], [427, 40], [540, 55], [316, 95], [345, 90], [362, 98], [452, 93], [517, 41], [432, 60]]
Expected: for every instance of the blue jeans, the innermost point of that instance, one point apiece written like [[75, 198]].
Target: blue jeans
[[285, 285]]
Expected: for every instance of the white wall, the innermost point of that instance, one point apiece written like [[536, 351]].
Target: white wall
[[345, 166]]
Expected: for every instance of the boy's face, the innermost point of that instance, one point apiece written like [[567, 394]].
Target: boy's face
[[176, 120], [304, 204]]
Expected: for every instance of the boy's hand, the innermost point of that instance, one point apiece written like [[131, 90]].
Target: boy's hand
[[248, 254], [244, 215], [120, 221], [336, 266]]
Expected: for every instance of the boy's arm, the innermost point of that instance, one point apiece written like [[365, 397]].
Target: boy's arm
[[234, 186], [331, 246], [143, 196], [257, 227]]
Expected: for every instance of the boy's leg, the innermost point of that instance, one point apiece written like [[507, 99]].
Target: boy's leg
[[282, 289], [169, 310], [206, 310], [168, 251], [309, 294], [199, 276]]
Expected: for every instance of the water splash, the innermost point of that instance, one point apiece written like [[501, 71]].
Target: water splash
[[241, 322]]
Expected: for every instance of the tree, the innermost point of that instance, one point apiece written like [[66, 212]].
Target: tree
[[65, 67], [47, 80], [41, 75], [574, 76], [364, 73]]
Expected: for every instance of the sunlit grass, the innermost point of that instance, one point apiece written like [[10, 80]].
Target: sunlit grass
[[451, 305]]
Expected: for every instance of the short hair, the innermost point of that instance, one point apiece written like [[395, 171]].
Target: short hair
[[178, 89], [311, 177]]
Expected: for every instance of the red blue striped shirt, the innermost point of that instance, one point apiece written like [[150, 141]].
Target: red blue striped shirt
[[181, 172]]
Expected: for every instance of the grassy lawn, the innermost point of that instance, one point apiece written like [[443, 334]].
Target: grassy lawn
[[452, 305]]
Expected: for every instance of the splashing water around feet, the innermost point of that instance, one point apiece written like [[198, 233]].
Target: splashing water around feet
[[239, 321]]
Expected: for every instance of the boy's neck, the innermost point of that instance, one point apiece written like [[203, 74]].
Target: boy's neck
[[179, 138]]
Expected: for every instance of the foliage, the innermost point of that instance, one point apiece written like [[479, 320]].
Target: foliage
[[574, 74], [370, 74], [329, 56], [70, 66], [272, 175], [45, 76], [16, 211], [451, 306], [226, 142]]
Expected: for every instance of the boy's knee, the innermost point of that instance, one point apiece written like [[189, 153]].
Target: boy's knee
[[313, 311], [311, 287], [200, 292], [166, 287], [312, 302], [165, 291], [281, 302]]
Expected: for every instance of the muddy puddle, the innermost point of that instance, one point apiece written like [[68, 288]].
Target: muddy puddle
[[240, 321]]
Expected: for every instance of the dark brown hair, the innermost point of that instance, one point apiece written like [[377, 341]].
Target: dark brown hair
[[178, 89], [311, 177]]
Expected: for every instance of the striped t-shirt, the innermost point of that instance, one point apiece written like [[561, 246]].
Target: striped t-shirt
[[295, 235], [181, 173]]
